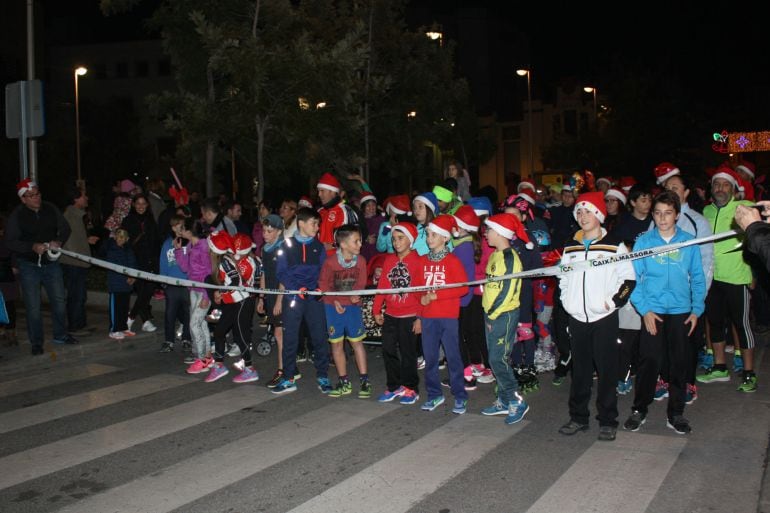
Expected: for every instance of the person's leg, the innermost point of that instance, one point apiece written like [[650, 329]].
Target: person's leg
[[242, 328], [561, 337], [451, 343], [676, 344], [407, 347], [390, 357], [648, 369], [225, 323], [316, 323], [292, 320], [465, 335], [430, 344], [581, 336], [141, 308], [716, 312], [53, 282], [199, 330], [122, 300], [75, 285], [605, 342], [478, 346], [30, 278], [501, 335], [173, 306], [183, 313]]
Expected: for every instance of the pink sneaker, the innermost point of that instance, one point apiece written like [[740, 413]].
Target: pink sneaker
[[128, 333], [247, 376], [217, 371], [486, 376], [199, 366]]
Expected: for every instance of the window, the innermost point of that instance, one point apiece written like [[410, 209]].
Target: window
[[141, 69], [121, 70]]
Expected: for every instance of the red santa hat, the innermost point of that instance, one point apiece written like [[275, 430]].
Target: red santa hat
[[618, 194], [304, 202], [664, 171], [24, 186], [399, 205], [525, 195], [510, 227], [725, 173], [746, 189], [748, 168], [606, 179], [467, 219], [329, 182], [626, 182], [407, 229], [367, 197], [242, 244], [594, 203], [220, 242], [443, 225], [526, 184]]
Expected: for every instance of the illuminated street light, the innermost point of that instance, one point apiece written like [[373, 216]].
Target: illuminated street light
[[528, 73], [590, 89], [320, 105], [79, 72], [411, 114]]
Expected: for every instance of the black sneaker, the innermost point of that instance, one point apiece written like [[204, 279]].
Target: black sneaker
[[635, 421], [442, 364], [167, 347], [679, 424], [572, 427], [186, 346], [606, 433]]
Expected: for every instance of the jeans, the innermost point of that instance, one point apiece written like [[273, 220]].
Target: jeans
[[295, 310], [436, 333], [75, 283], [31, 277], [177, 309], [501, 336]]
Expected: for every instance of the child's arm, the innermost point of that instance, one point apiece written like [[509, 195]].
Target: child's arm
[[360, 283]]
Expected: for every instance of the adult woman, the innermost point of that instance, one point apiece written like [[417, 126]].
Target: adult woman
[[143, 235]]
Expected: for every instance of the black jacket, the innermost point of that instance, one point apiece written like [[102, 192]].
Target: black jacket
[[758, 241], [26, 227], [145, 239]]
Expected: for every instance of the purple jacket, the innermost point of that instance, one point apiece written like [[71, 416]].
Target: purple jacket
[[195, 261]]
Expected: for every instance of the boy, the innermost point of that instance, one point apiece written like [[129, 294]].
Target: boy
[[440, 314], [592, 298], [346, 270], [401, 324], [299, 267], [670, 296], [118, 285], [500, 301], [177, 298]]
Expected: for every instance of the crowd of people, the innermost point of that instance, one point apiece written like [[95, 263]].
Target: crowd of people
[[656, 319]]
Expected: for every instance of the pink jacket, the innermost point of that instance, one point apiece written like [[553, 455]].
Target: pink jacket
[[194, 260]]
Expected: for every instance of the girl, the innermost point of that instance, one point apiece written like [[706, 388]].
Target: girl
[[425, 208], [145, 240]]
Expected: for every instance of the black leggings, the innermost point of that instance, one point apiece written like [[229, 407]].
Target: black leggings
[[239, 317], [473, 344], [144, 291]]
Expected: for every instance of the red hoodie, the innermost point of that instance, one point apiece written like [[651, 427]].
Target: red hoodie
[[435, 274], [398, 274]]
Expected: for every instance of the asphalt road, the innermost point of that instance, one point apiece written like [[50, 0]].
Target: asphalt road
[[109, 426]]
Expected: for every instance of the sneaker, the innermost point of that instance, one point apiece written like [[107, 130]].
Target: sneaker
[[607, 433], [365, 392], [240, 364], [200, 365], [558, 380], [442, 364], [129, 333], [217, 371], [445, 383], [167, 347], [516, 410], [497, 408], [486, 376], [117, 335], [388, 396], [248, 375], [477, 369], [737, 362], [342, 388], [234, 350], [129, 323], [277, 378], [470, 384], [572, 427], [635, 421], [420, 363], [713, 375], [461, 405], [661, 390], [432, 404], [749, 384], [67, 339], [214, 316], [148, 326], [186, 346], [707, 361], [679, 424], [692, 394], [324, 385], [178, 332], [410, 396], [625, 386], [301, 356], [285, 386], [189, 359], [729, 348]]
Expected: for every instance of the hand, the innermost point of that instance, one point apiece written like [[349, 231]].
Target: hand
[[379, 319], [261, 306], [692, 320], [39, 248], [54, 244], [371, 239], [427, 298], [278, 308], [339, 308], [744, 216], [355, 299], [177, 243], [650, 318], [417, 326], [130, 281], [204, 303], [93, 239]]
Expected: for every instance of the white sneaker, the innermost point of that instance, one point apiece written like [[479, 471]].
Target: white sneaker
[[148, 326], [117, 335], [420, 363], [234, 350], [240, 365], [129, 323]]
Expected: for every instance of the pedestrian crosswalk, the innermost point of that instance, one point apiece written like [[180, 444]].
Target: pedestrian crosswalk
[[222, 447]]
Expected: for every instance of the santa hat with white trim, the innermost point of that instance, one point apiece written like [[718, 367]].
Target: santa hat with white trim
[[304, 202], [429, 200], [748, 168], [242, 244], [510, 227], [24, 186], [618, 194], [220, 242], [725, 173], [408, 229], [399, 205], [527, 196], [664, 171], [594, 203], [466, 218], [329, 182], [606, 179], [367, 197], [443, 225], [626, 182], [526, 184]]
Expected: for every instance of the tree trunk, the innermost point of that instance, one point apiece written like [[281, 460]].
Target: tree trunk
[[210, 143], [262, 127], [366, 93]]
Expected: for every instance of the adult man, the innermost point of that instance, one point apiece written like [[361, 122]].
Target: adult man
[[33, 228], [233, 213], [74, 270], [728, 297]]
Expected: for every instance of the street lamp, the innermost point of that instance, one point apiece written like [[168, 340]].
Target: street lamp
[[590, 89], [79, 72], [528, 73]]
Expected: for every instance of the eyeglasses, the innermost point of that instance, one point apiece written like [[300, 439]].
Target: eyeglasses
[[32, 194]]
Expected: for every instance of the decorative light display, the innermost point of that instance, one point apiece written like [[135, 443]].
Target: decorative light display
[[720, 144], [746, 142]]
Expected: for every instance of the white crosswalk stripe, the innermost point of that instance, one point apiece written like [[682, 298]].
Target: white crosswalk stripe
[[57, 377]]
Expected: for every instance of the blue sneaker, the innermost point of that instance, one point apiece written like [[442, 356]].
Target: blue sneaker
[[624, 387], [324, 385], [285, 386], [661, 390], [516, 410], [737, 362], [460, 406], [707, 361], [388, 396], [432, 404], [410, 396], [497, 408]]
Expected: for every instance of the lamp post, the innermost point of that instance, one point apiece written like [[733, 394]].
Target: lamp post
[[79, 72], [528, 73], [590, 89]]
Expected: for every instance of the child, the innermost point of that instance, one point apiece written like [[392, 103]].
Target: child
[[425, 208], [272, 231], [118, 285], [346, 270], [194, 259], [500, 301], [441, 309], [592, 298], [177, 298], [670, 296], [235, 268], [400, 324], [298, 268]]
